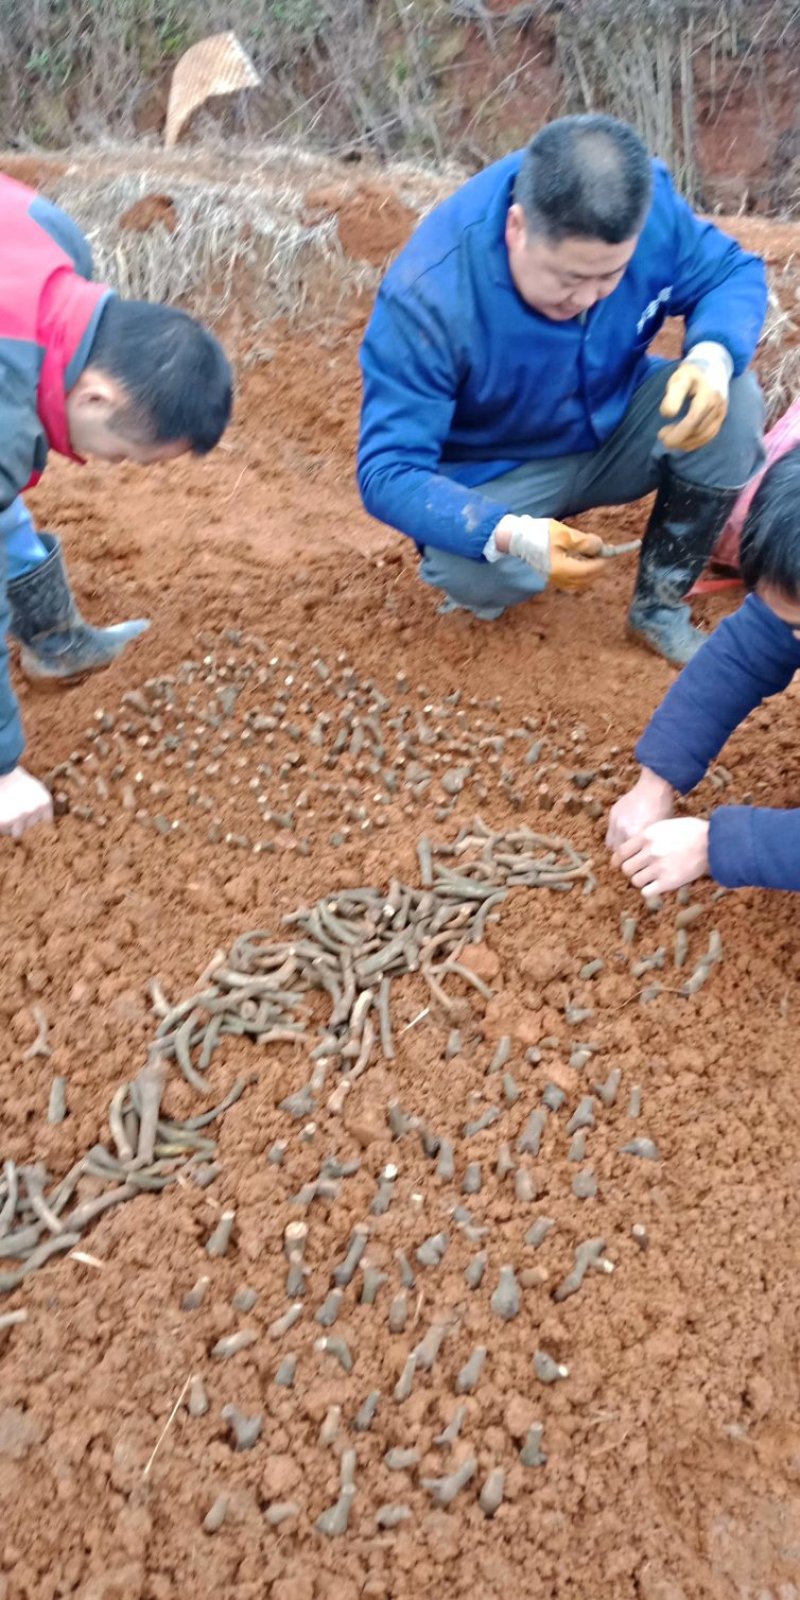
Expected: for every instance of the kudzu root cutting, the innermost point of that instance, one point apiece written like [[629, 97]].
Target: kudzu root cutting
[[399, 1460], [232, 1344], [246, 1430], [531, 1454], [647, 1149], [336, 1346], [547, 1370], [490, 1498], [505, 1301], [444, 1490], [365, 1415], [589, 1254], [470, 1373]]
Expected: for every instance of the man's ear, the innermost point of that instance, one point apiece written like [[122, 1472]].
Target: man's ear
[[515, 226], [97, 393]]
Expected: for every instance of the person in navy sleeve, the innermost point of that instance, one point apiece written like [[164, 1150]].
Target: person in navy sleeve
[[751, 655], [507, 383]]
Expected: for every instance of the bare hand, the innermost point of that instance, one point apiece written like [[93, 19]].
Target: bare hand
[[665, 855], [707, 409], [24, 801], [650, 800]]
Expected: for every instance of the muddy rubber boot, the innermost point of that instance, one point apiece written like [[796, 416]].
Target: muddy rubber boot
[[685, 524], [56, 642]]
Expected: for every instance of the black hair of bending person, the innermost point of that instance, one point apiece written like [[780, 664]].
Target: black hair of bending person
[[586, 177], [770, 545], [176, 377]]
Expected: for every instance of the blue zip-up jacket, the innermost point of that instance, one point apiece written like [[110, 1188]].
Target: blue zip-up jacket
[[750, 656], [463, 380]]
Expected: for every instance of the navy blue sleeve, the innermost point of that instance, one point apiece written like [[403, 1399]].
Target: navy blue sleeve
[[749, 657], [411, 378], [755, 847], [718, 287]]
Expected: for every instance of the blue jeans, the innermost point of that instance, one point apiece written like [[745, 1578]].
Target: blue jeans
[[23, 547], [626, 467]]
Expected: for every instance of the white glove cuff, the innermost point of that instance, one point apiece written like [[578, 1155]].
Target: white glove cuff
[[716, 361], [530, 541]]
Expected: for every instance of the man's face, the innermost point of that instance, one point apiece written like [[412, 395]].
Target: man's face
[[92, 405], [562, 280]]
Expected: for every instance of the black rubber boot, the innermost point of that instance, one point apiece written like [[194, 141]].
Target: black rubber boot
[[685, 524], [56, 642]]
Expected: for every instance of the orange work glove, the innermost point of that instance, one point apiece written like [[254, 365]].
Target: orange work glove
[[705, 387], [571, 560]]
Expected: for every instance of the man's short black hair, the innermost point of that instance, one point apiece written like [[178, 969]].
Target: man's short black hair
[[770, 546], [585, 177], [175, 374]]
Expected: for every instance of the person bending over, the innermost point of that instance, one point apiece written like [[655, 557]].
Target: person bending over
[[83, 373]]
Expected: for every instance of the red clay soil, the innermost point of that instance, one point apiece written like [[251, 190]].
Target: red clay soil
[[673, 1445]]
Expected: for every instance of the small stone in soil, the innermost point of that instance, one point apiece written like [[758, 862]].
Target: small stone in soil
[[584, 1186]]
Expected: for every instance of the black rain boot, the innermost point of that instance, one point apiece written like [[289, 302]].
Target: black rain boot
[[56, 642], [685, 524]]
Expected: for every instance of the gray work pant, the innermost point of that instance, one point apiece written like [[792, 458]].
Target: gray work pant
[[627, 466]]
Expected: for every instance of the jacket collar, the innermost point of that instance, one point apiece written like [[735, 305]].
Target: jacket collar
[[69, 311]]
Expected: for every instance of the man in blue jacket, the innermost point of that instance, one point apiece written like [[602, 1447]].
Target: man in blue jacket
[[507, 383], [752, 655]]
